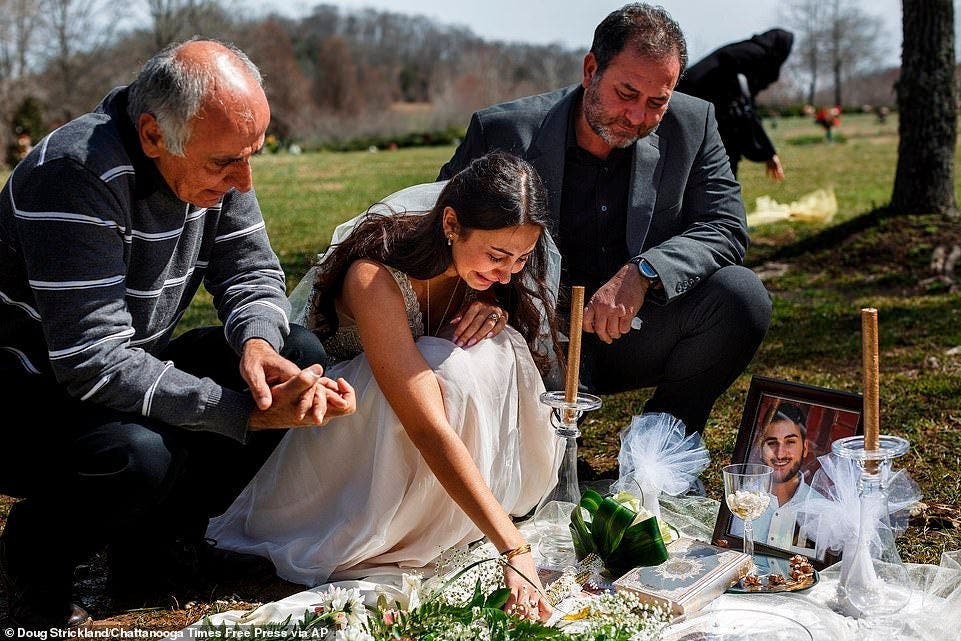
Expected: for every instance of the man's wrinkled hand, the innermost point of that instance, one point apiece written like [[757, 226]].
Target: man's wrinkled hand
[[615, 304], [262, 367], [300, 401]]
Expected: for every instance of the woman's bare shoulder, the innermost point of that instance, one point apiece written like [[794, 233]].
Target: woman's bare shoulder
[[366, 273], [368, 280]]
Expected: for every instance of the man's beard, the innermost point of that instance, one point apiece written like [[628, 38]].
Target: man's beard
[[792, 473], [612, 129]]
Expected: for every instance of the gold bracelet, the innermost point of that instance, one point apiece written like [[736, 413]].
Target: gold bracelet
[[510, 554]]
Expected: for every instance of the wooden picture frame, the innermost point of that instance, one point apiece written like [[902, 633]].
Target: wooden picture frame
[[787, 425]]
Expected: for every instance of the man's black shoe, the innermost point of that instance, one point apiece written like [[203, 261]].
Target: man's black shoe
[[40, 605], [31, 617], [147, 571], [214, 564]]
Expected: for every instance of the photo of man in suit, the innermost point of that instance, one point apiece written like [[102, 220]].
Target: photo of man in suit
[[647, 215]]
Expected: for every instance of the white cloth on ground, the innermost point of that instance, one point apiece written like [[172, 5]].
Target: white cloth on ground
[[933, 614]]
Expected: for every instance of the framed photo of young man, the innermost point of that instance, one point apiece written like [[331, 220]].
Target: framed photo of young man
[[787, 426]]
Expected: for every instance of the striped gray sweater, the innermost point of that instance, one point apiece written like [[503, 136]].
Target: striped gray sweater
[[99, 260]]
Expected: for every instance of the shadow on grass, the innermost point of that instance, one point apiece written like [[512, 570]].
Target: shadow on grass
[[824, 240]]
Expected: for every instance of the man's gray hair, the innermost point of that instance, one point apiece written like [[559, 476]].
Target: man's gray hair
[[173, 90], [649, 30]]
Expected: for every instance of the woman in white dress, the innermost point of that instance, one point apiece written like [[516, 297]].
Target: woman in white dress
[[437, 320]]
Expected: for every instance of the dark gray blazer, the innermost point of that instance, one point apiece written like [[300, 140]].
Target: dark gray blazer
[[685, 213]]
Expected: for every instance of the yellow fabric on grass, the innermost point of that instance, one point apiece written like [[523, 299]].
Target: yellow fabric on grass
[[819, 206]]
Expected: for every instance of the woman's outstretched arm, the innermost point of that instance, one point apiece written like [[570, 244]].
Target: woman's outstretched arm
[[372, 297]]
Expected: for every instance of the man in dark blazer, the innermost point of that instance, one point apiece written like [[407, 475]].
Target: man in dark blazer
[[647, 215]]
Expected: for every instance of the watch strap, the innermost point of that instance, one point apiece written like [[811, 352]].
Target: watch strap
[[646, 269]]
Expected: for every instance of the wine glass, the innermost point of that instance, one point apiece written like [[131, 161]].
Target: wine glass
[[747, 492]]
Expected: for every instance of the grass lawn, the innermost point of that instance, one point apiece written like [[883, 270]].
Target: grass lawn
[[863, 258]]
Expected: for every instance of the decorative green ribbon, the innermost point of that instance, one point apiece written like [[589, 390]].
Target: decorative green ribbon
[[611, 536]]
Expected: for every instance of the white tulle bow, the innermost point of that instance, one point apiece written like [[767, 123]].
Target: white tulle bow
[[658, 456], [832, 511]]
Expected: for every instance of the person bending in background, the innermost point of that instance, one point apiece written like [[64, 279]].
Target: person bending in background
[[731, 78]]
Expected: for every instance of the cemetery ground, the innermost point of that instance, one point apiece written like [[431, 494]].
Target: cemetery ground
[[819, 275]]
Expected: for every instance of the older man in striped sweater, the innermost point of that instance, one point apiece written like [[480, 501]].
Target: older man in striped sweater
[[107, 230]]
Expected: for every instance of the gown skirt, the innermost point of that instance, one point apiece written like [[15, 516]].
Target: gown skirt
[[355, 498]]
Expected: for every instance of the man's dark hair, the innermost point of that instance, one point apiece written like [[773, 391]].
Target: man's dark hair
[[793, 413], [496, 191], [650, 30]]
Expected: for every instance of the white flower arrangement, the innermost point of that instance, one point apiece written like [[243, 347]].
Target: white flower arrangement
[[463, 602], [748, 505], [343, 608], [460, 603], [458, 572]]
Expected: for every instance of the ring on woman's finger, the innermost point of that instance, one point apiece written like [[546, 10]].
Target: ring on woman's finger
[[494, 316]]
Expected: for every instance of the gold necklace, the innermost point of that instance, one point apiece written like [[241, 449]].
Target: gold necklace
[[446, 309]]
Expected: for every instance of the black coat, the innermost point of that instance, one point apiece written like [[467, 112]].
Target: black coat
[[714, 78]]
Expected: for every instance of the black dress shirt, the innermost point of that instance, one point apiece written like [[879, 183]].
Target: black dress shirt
[[593, 214]]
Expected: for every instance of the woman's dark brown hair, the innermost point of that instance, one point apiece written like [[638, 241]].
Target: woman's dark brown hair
[[495, 191]]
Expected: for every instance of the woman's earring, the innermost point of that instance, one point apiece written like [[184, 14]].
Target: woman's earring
[[450, 240]]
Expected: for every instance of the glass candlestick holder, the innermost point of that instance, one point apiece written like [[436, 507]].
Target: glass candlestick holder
[[552, 518], [873, 586]]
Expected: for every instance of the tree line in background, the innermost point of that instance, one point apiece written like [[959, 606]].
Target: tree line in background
[[335, 74], [329, 75]]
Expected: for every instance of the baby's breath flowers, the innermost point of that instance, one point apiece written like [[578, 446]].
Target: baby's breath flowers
[[614, 615], [473, 570], [459, 611]]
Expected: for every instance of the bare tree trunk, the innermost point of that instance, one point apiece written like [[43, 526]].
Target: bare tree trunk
[[811, 58], [165, 28], [804, 17], [18, 19], [927, 128], [837, 83], [836, 50]]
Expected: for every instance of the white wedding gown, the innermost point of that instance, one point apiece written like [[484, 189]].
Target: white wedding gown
[[356, 498]]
